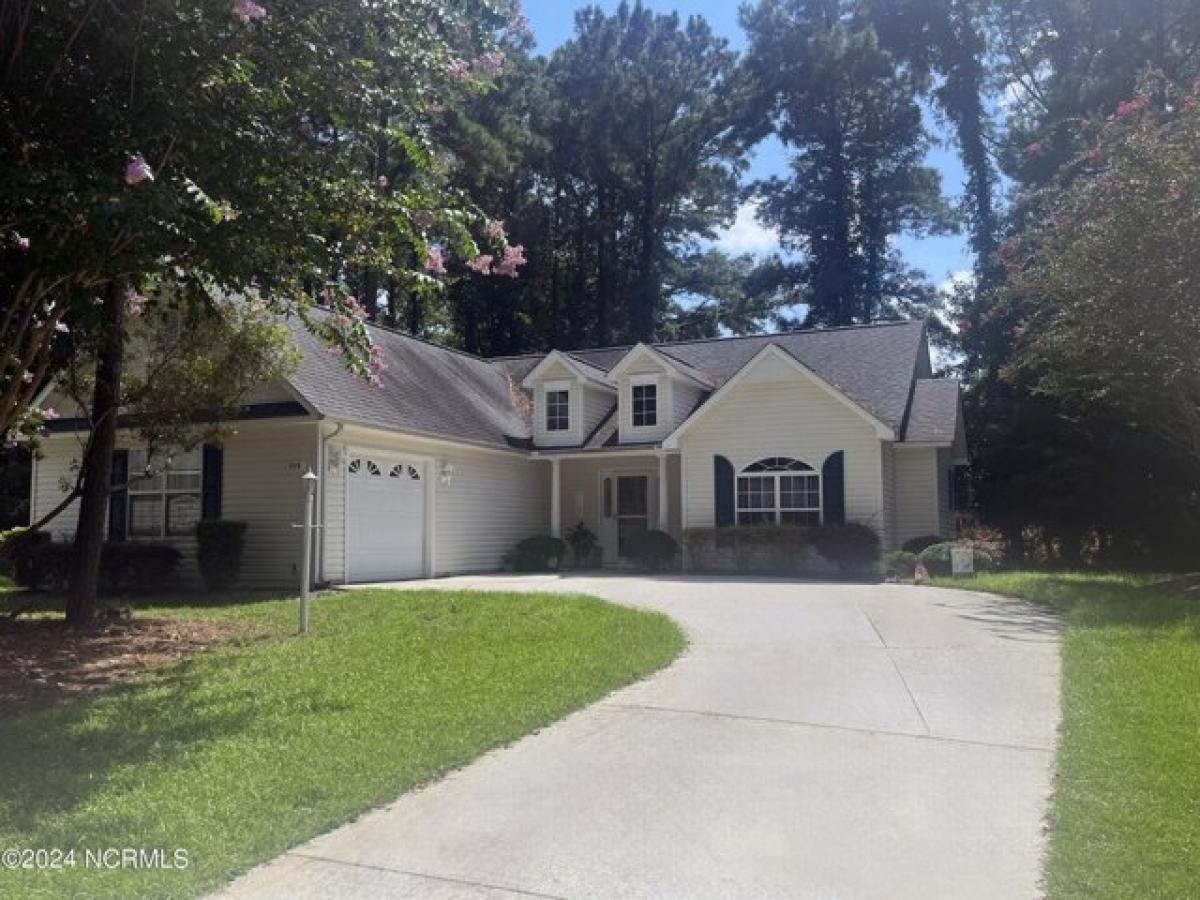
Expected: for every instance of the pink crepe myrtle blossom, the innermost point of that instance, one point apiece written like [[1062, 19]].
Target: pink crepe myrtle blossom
[[491, 64], [247, 11], [135, 303], [50, 414], [334, 350], [1132, 105], [22, 243], [458, 69], [138, 170], [435, 262], [514, 257], [1037, 148], [495, 229], [481, 264], [435, 107]]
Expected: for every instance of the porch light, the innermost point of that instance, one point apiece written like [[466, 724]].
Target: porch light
[[446, 473]]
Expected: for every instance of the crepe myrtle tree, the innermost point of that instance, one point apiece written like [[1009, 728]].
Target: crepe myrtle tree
[[192, 365], [1110, 320], [224, 147]]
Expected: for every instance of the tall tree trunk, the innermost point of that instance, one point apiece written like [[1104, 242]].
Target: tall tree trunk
[[414, 313], [604, 292], [961, 97], [97, 461], [646, 291]]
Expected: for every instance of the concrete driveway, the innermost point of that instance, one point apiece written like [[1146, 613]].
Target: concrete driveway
[[816, 740]]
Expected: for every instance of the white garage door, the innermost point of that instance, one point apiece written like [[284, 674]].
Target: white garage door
[[385, 527]]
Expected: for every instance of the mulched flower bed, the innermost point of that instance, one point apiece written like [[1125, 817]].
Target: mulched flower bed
[[43, 661]]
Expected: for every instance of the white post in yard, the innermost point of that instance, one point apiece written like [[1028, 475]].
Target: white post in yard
[[310, 490], [662, 492], [555, 498]]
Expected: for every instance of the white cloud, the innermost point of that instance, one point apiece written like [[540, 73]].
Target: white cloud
[[963, 277], [747, 234]]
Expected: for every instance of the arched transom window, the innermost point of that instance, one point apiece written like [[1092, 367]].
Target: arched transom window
[[779, 490]]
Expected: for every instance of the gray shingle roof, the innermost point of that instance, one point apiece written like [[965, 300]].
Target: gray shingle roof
[[426, 388], [440, 391], [933, 417]]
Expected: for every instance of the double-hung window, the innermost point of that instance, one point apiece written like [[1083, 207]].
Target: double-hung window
[[645, 405], [778, 491], [164, 493], [558, 410]]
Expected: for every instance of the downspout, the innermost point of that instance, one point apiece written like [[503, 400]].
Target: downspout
[[321, 460]]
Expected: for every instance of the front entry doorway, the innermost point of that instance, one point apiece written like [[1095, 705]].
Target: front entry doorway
[[627, 500]]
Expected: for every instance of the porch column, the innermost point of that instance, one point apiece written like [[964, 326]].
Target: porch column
[[663, 494], [555, 497]]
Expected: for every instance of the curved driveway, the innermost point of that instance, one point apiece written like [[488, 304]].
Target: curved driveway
[[825, 741]]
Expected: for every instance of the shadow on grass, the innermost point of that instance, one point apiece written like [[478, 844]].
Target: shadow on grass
[[1098, 600], [39, 602], [57, 758]]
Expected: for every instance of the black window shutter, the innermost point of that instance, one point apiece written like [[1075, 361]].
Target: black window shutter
[[723, 492], [210, 497], [118, 499], [833, 487]]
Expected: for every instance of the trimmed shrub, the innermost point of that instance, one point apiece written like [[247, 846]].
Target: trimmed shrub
[[917, 544], [136, 568], [652, 550], [852, 547], [17, 549], [125, 567], [784, 549], [219, 549], [538, 554], [900, 564], [936, 559]]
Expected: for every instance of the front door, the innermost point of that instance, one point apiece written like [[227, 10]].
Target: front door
[[625, 499]]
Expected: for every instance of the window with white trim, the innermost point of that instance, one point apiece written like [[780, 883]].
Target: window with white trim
[[778, 490], [558, 410], [164, 496], [645, 405]]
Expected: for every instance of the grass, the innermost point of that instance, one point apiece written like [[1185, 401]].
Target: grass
[[254, 746], [1126, 809]]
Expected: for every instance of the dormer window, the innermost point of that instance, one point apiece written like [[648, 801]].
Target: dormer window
[[558, 410], [645, 405]]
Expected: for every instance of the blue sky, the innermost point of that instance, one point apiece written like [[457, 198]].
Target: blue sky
[[553, 22]]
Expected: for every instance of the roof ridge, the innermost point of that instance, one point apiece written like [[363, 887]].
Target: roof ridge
[[795, 331], [608, 348]]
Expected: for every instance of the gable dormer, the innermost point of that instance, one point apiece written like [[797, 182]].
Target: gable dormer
[[656, 393], [570, 398]]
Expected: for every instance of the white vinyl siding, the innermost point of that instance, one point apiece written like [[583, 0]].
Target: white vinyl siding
[[945, 513], [916, 493], [777, 411], [260, 486], [493, 501], [58, 456]]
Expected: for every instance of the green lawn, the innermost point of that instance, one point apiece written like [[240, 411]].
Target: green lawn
[[256, 745], [1126, 811]]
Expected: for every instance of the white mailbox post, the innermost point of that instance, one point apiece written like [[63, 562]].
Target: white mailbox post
[[309, 480]]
